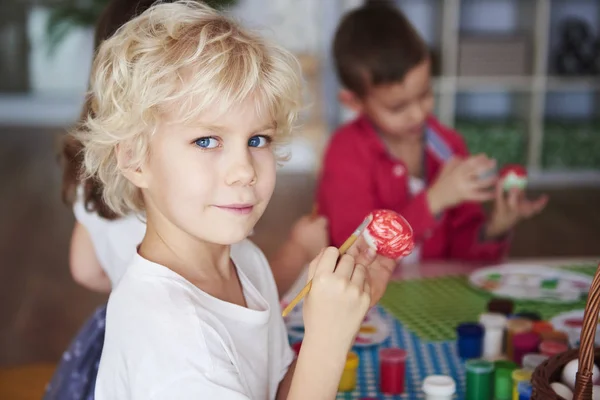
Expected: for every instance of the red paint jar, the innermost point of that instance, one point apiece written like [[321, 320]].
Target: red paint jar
[[524, 343], [392, 370], [551, 348], [296, 347]]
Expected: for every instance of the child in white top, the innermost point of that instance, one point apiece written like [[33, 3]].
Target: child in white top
[[187, 109], [103, 244]]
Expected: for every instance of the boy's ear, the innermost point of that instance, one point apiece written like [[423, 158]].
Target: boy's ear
[[350, 100], [133, 174]]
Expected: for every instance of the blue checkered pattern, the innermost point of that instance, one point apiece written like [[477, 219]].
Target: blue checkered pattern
[[424, 359]]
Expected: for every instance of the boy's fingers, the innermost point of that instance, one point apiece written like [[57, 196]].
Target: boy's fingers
[[345, 266], [312, 267], [327, 261], [359, 276]]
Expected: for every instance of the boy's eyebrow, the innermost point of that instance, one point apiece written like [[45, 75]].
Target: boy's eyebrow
[[268, 127], [212, 128], [404, 102], [222, 129]]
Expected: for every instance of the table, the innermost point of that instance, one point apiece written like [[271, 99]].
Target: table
[[425, 357], [437, 269]]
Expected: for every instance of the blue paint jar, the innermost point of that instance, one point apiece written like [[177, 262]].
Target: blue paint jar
[[524, 389], [469, 340]]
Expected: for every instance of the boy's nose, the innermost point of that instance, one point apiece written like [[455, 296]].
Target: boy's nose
[[241, 171]]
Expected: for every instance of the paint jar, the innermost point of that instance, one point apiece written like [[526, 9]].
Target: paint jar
[[513, 327], [469, 340], [524, 343], [518, 376], [524, 389], [439, 387], [348, 381], [552, 347], [530, 315], [392, 370], [541, 326], [296, 347], [479, 379], [557, 336], [501, 306], [493, 336], [532, 360], [503, 379]]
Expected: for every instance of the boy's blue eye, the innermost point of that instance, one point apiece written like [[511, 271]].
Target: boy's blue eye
[[207, 142], [259, 141]]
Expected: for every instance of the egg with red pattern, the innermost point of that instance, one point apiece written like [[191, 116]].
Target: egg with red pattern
[[390, 234]]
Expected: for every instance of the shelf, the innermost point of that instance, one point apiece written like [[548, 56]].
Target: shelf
[[564, 178], [515, 83], [483, 84], [44, 110], [584, 83]]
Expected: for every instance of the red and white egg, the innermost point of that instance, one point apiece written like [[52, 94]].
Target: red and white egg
[[390, 234]]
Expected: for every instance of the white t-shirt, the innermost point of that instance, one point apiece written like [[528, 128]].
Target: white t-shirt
[[167, 339], [115, 240]]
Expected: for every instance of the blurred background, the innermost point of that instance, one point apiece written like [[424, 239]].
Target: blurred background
[[520, 79]]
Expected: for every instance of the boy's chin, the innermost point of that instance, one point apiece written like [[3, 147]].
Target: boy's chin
[[230, 237], [413, 132]]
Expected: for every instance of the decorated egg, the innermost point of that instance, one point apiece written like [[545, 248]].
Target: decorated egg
[[390, 234], [513, 176]]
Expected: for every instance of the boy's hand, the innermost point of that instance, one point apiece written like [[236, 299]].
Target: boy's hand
[[338, 300], [460, 180], [379, 268], [310, 233], [509, 209]]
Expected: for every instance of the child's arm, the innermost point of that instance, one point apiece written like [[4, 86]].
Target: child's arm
[[307, 238], [468, 240], [477, 238], [85, 267], [333, 310], [346, 195], [319, 373]]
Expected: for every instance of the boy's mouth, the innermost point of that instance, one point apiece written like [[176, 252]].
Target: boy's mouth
[[238, 209]]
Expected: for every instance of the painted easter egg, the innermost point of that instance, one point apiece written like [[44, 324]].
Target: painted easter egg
[[390, 234]]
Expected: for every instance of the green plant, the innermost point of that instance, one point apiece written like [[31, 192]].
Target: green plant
[[70, 14]]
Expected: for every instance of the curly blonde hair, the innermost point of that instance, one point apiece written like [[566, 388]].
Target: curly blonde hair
[[181, 57]]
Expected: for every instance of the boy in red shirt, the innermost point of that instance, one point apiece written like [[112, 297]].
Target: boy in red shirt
[[396, 155]]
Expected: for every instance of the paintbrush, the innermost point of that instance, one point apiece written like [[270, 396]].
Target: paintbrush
[[343, 249]]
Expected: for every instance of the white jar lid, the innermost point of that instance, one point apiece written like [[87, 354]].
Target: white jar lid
[[492, 320], [439, 385]]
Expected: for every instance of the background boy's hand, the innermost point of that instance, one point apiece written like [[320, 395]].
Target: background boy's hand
[[510, 208], [310, 233], [460, 180]]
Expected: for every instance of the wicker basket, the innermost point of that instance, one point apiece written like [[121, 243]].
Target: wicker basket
[[550, 370]]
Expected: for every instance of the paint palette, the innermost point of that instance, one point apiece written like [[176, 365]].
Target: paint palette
[[373, 330], [570, 323], [532, 283]]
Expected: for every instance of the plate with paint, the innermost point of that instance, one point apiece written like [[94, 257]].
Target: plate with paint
[[570, 322], [373, 330], [532, 283]]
